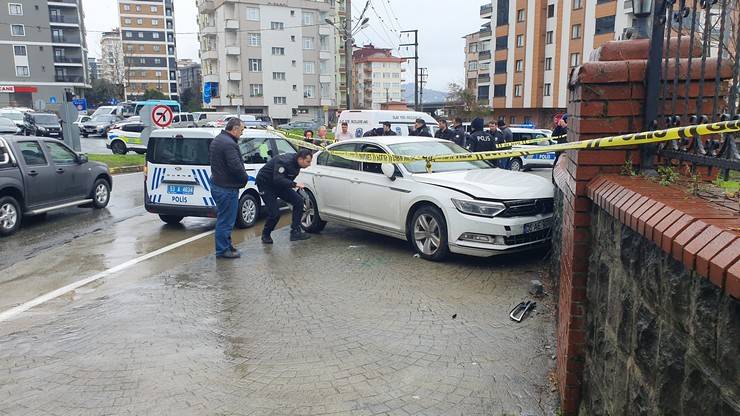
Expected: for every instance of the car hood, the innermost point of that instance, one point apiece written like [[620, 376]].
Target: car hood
[[498, 184], [49, 125]]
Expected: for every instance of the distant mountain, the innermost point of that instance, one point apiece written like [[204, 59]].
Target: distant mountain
[[430, 96]]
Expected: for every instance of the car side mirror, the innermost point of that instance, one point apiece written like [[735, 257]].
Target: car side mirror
[[389, 170], [82, 158]]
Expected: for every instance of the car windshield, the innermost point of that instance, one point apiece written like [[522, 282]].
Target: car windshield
[[106, 118], [13, 115], [46, 118], [179, 151], [432, 148]]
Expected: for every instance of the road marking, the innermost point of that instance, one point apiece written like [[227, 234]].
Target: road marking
[[10, 313]]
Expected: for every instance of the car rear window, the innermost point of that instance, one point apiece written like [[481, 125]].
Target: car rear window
[[178, 151]]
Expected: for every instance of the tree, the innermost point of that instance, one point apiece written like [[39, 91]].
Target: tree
[[191, 99], [471, 106], [152, 94], [102, 92]]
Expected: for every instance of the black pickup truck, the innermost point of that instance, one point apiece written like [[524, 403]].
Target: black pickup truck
[[39, 174]]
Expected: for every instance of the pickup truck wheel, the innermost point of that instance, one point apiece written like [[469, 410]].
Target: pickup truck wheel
[[249, 211], [10, 215], [118, 147], [170, 219], [100, 194]]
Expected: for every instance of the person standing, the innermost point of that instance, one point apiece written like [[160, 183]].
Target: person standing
[[322, 139], [480, 140], [344, 133], [420, 129], [561, 129], [444, 132], [308, 136], [380, 131], [506, 132], [461, 135], [227, 177], [277, 180]]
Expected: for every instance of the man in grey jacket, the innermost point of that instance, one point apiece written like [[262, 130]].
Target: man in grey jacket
[[228, 176]]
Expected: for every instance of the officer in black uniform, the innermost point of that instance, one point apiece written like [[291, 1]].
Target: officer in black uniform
[[444, 132], [277, 180]]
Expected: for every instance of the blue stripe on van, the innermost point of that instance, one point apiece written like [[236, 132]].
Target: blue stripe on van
[[195, 176], [204, 178], [212, 202], [154, 177]]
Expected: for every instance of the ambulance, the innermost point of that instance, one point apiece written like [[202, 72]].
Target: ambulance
[[402, 122]]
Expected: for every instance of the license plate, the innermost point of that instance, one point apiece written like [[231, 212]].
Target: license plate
[[536, 226], [180, 189]]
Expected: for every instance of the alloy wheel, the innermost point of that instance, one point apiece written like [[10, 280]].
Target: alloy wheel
[[427, 234], [8, 216], [309, 213], [249, 211], [101, 193]]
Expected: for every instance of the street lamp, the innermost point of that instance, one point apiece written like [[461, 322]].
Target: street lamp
[[348, 33], [642, 9]]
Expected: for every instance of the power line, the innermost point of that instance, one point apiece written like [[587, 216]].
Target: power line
[[384, 27], [398, 23], [390, 18], [266, 29]]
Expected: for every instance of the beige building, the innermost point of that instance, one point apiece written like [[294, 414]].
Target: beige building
[[379, 77], [111, 57], [149, 50], [526, 49]]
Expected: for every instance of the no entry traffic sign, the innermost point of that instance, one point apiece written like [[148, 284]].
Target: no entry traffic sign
[[162, 116]]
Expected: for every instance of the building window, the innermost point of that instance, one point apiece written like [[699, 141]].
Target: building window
[[20, 50], [575, 59], [141, 35], [22, 71], [278, 51], [277, 25], [324, 43], [255, 90], [157, 48], [307, 43], [473, 66], [325, 89], [500, 67], [307, 18], [548, 37], [17, 30], [483, 92], [548, 64], [127, 21], [255, 39], [575, 31], [502, 42], [139, 21], [157, 74], [577, 4], [548, 90], [142, 48], [604, 25], [309, 91], [499, 90], [278, 76], [520, 15], [473, 48], [129, 48], [519, 65], [518, 90], [309, 67], [502, 12], [129, 34], [253, 13], [280, 100], [138, 8], [155, 22], [519, 41], [15, 9], [255, 65], [126, 7], [550, 11], [155, 35], [153, 9]]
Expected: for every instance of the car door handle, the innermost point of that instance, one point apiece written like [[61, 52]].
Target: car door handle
[[32, 173], [60, 170]]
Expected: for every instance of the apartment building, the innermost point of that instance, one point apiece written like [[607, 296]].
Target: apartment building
[[45, 44], [149, 47], [261, 56], [111, 57], [527, 48], [189, 74], [93, 71], [378, 77]]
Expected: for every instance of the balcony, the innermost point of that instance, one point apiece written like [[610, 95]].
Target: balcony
[[486, 11], [209, 55], [484, 78], [79, 79], [211, 78], [234, 76], [233, 50], [66, 39], [485, 33], [484, 55], [232, 24], [72, 20], [206, 6], [67, 60], [209, 31], [63, 3]]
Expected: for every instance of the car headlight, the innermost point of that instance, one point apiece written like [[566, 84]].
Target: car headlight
[[478, 208]]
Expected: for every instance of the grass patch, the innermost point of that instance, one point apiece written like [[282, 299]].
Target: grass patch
[[117, 161]]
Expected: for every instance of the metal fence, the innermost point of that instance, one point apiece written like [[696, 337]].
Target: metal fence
[[691, 42]]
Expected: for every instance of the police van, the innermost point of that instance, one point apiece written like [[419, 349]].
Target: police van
[[178, 173], [402, 122]]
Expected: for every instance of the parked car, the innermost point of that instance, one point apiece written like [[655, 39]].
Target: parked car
[[178, 172], [15, 115], [304, 125], [125, 137], [203, 118], [183, 120], [38, 175], [99, 125], [8, 126], [468, 208], [42, 124], [118, 124], [248, 120], [81, 119], [542, 160]]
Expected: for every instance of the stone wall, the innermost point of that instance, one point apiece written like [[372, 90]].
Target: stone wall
[[661, 339]]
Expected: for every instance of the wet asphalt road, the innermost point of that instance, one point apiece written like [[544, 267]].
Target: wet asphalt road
[[348, 323]]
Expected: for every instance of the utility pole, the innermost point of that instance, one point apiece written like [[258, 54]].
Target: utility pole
[[387, 96], [423, 74], [416, 64], [348, 52]]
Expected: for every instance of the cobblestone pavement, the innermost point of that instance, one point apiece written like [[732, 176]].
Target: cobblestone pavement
[[348, 323]]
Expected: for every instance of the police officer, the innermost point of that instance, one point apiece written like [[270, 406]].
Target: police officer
[[380, 131], [276, 180], [461, 136], [420, 129], [480, 141], [444, 132]]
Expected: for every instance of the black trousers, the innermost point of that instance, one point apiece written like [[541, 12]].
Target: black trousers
[[270, 196]]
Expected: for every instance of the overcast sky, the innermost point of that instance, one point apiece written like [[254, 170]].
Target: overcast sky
[[441, 25]]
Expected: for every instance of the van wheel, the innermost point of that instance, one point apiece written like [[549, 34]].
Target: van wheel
[[118, 147], [170, 219], [429, 233], [249, 211], [311, 221], [100, 194], [10, 215], [516, 165]]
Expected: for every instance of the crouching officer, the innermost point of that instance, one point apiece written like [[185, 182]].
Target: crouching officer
[[276, 180]]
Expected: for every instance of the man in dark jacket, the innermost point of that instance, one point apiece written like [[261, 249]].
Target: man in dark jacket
[[561, 129], [277, 180], [380, 131], [480, 141], [444, 132], [420, 129], [227, 177], [461, 136]]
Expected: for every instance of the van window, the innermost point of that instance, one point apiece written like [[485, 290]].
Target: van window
[[255, 150], [178, 151], [135, 128], [202, 117], [190, 117], [176, 119]]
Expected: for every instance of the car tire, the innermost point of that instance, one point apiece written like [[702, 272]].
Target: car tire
[[100, 194], [84, 135], [171, 219], [311, 221], [140, 152], [516, 165], [118, 148], [10, 215], [428, 234], [248, 212]]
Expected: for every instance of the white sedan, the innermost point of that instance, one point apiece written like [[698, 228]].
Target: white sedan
[[469, 208]]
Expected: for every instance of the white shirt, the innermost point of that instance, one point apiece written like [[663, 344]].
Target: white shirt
[[344, 136]]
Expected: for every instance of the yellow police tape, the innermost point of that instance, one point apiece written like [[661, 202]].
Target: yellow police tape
[[656, 136]]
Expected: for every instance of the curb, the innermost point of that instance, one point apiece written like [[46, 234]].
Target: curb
[[126, 169]]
